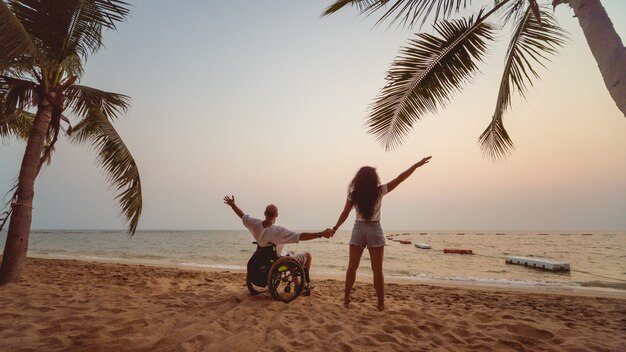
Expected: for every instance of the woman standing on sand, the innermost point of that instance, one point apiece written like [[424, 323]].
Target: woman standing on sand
[[365, 194]]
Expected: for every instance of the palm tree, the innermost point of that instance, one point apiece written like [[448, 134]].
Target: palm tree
[[43, 46], [431, 68]]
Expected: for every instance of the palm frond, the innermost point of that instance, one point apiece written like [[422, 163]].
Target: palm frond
[[532, 41], [535, 9], [361, 5], [73, 65], [495, 141], [514, 10], [6, 214], [20, 67], [426, 75], [84, 35], [82, 99], [17, 124], [15, 40], [71, 26], [404, 12], [116, 160], [16, 93]]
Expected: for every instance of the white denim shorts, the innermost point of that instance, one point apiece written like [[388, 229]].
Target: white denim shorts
[[367, 234]]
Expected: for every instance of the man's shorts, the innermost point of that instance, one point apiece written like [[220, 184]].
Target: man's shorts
[[367, 234], [300, 257]]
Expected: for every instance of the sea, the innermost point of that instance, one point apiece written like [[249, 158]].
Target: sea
[[597, 259]]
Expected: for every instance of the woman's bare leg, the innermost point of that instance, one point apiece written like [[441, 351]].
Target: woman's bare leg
[[376, 256], [353, 265]]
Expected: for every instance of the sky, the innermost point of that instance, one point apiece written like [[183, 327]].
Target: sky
[[267, 101]]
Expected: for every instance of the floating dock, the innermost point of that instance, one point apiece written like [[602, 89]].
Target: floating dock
[[457, 251], [423, 246], [540, 263]]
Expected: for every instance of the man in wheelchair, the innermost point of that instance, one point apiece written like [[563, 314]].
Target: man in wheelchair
[[266, 233]]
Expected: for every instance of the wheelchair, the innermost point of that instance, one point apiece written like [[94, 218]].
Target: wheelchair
[[284, 277]]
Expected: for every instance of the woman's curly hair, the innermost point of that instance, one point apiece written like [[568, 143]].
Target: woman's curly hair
[[364, 191]]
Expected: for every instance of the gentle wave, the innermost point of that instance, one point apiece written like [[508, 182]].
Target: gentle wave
[[604, 284], [489, 281], [215, 266]]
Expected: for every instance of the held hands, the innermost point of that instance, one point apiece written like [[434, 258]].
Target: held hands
[[423, 161], [328, 233], [229, 200], [331, 232]]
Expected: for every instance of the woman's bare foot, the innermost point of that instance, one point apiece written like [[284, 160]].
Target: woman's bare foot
[[346, 303]]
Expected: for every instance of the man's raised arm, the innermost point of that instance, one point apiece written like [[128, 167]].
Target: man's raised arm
[[231, 202]]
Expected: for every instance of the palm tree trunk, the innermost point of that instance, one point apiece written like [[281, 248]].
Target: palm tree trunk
[[606, 46], [14, 257]]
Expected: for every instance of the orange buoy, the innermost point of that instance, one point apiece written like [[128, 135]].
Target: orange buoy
[[457, 251]]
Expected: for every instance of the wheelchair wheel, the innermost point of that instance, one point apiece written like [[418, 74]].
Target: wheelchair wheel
[[286, 279], [254, 289]]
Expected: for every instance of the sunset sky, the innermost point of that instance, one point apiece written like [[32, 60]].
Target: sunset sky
[[267, 101]]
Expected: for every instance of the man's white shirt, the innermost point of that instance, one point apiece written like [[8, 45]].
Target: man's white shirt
[[275, 234]]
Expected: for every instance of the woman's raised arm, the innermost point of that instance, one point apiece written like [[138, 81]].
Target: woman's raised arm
[[403, 176]]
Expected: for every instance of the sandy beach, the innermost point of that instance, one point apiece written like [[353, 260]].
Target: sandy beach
[[85, 306]]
